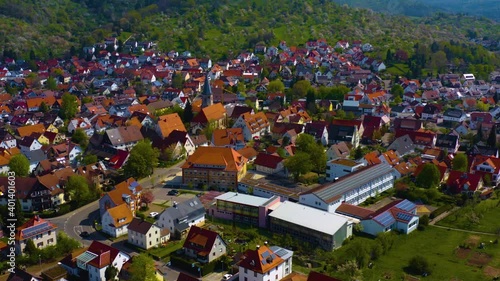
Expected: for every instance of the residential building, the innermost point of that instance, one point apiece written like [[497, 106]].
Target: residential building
[[349, 131], [214, 166], [181, 216], [319, 130], [204, 245], [128, 192], [464, 183], [43, 233], [327, 230], [487, 165], [169, 123], [338, 168], [244, 208], [115, 220], [22, 275], [7, 140], [402, 146], [269, 163], [230, 138], [400, 215], [32, 194], [253, 125], [449, 142], [354, 188], [214, 115], [146, 235], [93, 262], [340, 150], [265, 263], [454, 115], [122, 137]]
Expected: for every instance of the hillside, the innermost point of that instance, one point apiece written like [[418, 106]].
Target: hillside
[[214, 28]]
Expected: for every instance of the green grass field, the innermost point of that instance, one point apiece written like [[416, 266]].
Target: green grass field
[[482, 217], [398, 69]]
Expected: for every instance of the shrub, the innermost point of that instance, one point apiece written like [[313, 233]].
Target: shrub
[[440, 210], [419, 265], [309, 178]]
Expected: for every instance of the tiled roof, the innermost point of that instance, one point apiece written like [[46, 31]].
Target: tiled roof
[[121, 215], [170, 122], [268, 160], [353, 211], [140, 226], [226, 158], [23, 231], [210, 113], [200, 240], [230, 136], [254, 260], [124, 135], [30, 129]]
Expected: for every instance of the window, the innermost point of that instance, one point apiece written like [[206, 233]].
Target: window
[[245, 272], [255, 274]]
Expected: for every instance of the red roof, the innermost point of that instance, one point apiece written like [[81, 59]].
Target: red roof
[[200, 240], [105, 254], [268, 160], [463, 182]]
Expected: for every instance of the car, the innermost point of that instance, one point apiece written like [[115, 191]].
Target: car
[[84, 234], [153, 214], [227, 276], [173, 192]]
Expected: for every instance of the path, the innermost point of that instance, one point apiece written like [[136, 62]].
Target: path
[[442, 216], [464, 230]]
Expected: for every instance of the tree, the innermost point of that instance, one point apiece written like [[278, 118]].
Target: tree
[[397, 91], [80, 137], [360, 251], [51, 83], [318, 158], [142, 268], [305, 142], [69, 106], [30, 248], [429, 177], [78, 189], [187, 115], [419, 265], [492, 138], [148, 197], [460, 162], [142, 160], [351, 270], [44, 107], [110, 273], [298, 164], [89, 159], [177, 80], [20, 165], [300, 88], [276, 86], [19, 213], [340, 114], [482, 106]]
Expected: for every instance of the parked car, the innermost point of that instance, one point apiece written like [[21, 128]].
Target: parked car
[[153, 214], [173, 192], [84, 234], [227, 276]]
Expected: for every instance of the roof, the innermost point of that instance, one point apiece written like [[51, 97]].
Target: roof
[[345, 162], [402, 145], [463, 182], [170, 122], [248, 152], [99, 254], [255, 122], [244, 199], [229, 136], [315, 276], [210, 113], [121, 215], [140, 226], [21, 275], [224, 158], [399, 210], [332, 191], [184, 277], [33, 227], [30, 129], [353, 211], [187, 211], [201, 240], [125, 187], [260, 260], [309, 217], [268, 160], [124, 135]]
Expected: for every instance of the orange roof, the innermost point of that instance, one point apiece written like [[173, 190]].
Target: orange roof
[[253, 260], [391, 157], [121, 215], [211, 113], [34, 221], [372, 158], [226, 158], [30, 129], [139, 107], [255, 122], [223, 137], [122, 188], [169, 123]]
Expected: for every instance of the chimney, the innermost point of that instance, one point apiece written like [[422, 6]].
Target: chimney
[[258, 247]]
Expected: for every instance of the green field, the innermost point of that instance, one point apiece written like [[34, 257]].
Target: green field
[[482, 217], [398, 69]]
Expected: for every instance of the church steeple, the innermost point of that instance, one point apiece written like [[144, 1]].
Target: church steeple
[[206, 94]]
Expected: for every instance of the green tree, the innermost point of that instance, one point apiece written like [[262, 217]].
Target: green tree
[[19, 213], [110, 273], [177, 80], [460, 162], [340, 114], [65, 244], [20, 165], [397, 91], [351, 270], [44, 107], [69, 106], [482, 106], [89, 159], [305, 142], [142, 268], [78, 189], [51, 83], [298, 164], [318, 158], [142, 160], [419, 265], [80, 137], [300, 89], [492, 138], [360, 251], [30, 248], [276, 86], [429, 177], [311, 100]]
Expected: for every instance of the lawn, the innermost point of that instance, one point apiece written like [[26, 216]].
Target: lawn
[[482, 217], [163, 251], [398, 69], [439, 246]]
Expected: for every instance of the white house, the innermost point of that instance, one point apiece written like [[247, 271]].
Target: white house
[[81, 123], [253, 125], [338, 168], [28, 144], [145, 235], [181, 216], [265, 263], [115, 220]]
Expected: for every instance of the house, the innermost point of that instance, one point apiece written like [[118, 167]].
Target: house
[[338, 168], [402, 146], [269, 163], [400, 215], [81, 123], [389, 157], [204, 245], [122, 137], [7, 140], [230, 137], [354, 188], [253, 125], [421, 138], [464, 183], [430, 111], [128, 191], [30, 129], [181, 216], [5, 156], [454, 115], [477, 118], [115, 220], [339, 150], [32, 194], [22, 275], [65, 153], [319, 130], [169, 123], [308, 224], [146, 235], [265, 263], [349, 131], [214, 166], [43, 233], [449, 142], [93, 261], [243, 208], [29, 143], [213, 115]]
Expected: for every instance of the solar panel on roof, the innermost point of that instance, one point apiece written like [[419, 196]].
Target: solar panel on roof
[[404, 216], [37, 229], [385, 219], [281, 252], [265, 254], [406, 205]]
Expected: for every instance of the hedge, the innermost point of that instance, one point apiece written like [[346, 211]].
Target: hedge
[[186, 264], [440, 210]]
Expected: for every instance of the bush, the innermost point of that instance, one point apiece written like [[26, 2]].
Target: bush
[[419, 265], [424, 220], [309, 178], [440, 210]]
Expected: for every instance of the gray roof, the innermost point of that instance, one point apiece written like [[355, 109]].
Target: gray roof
[[185, 212], [124, 135], [35, 156], [331, 191], [402, 145]]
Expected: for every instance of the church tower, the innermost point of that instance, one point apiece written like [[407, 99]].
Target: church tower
[[206, 94]]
